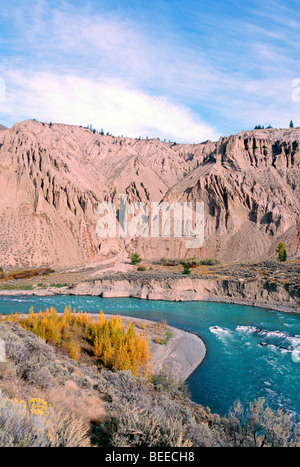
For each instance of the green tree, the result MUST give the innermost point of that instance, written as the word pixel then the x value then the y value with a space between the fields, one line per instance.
pixel 281 250
pixel 186 269
pixel 135 258
pixel 291 124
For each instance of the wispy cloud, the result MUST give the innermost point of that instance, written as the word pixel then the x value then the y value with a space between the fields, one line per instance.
pixel 101 71
pixel 109 106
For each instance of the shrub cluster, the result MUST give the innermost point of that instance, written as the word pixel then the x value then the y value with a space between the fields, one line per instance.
pixel 35 424
pixel 191 261
pixel 28 273
pixel 135 258
pixel 140 416
pixel 114 345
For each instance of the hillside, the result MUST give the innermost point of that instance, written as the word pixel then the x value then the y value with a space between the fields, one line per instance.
pixel 53 177
pixel 50 400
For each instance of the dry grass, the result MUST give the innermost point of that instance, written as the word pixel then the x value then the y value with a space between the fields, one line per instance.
pixel 67 430
pixel 85 404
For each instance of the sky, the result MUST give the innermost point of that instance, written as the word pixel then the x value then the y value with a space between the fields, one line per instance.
pixel 184 71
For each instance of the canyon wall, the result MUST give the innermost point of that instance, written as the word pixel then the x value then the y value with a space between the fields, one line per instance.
pixel 52 178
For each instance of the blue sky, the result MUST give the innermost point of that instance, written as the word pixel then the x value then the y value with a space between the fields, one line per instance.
pixel 186 71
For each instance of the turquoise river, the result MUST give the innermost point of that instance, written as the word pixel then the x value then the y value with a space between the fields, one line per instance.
pixel 251 352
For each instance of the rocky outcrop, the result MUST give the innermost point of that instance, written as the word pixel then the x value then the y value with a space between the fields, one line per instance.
pixel 52 178
pixel 251 291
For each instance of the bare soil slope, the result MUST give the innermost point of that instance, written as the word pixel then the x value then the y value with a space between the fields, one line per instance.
pixel 52 178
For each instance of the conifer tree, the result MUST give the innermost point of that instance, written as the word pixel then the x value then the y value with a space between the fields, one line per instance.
pixel 281 250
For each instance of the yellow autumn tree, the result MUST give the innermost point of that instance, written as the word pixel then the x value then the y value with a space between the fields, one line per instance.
pixel 101 319
pixel 74 350
pixel 98 346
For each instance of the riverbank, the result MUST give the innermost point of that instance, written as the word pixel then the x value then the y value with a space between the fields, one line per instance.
pixel 173 350
pixel 267 284
pixel 176 287
pixel 181 354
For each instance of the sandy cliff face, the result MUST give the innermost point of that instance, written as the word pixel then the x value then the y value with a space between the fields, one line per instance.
pixel 53 177
pixel 189 288
pixel 250 188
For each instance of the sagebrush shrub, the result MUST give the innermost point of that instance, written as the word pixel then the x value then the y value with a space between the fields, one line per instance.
pixel 35 424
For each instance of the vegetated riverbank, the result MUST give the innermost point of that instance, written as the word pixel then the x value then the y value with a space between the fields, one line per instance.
pixel 171 349
pixel 181 353
pixel 267 284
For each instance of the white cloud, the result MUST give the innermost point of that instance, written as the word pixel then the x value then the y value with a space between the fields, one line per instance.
pixel 99 70
pixel 111 106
